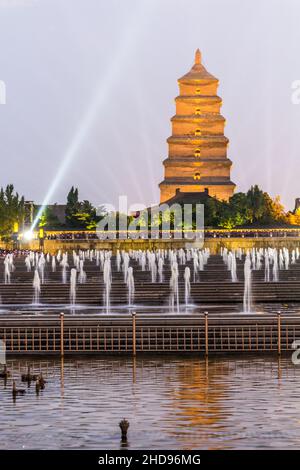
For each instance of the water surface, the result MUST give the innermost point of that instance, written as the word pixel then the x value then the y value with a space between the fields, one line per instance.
pixel 171 403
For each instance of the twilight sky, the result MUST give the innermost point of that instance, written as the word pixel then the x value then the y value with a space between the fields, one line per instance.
pixel 91 84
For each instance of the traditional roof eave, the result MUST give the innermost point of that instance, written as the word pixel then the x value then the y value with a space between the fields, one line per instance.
pixel 199 140
pixel 190 161
pixel 203 99
pixel 198 117
pixel 200 182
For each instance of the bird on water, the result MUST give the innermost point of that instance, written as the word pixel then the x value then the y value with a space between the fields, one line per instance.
pixel 17 391
pixel 28 377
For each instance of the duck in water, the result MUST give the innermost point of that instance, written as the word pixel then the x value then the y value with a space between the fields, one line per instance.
pixel 4 373
pixel 42 381
pixel 28 377
pixel 40 384
pixel 17 391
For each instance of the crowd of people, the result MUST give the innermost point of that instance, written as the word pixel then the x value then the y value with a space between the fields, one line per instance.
pixel 71 236
pixel 17 253
pixel 251 233
pixel 84 235
pixel 207 234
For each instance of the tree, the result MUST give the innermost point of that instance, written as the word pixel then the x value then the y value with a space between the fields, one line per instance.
pixel 48 219
pixel 212 210
pixel 72 207
pixel 85 215
pixel 294 218
pixel 239 204
pixel 276 210
pixel 256 204
pixel 12 211
pixel 82 214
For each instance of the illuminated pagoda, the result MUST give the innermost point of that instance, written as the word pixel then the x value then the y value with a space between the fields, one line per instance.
pixel 197 159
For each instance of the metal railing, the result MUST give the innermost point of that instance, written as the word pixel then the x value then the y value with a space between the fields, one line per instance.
pixel 137 335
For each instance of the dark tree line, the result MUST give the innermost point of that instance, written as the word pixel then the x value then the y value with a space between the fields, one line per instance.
pixel 253 208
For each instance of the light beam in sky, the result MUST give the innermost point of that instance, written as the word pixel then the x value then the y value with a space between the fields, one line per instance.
pixel 134 29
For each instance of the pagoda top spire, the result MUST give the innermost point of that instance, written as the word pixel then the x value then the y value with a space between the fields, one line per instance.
pixel 197 57
pixel 198 72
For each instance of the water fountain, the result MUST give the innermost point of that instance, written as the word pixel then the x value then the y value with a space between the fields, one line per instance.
pixel 201 261
pixel 37 287
pixel 267 266
pixel 247 285
pixel 153 268
pixel 143 261
pixel 160 269
pixel 6 271
pixel 181 256
pixel 286 257
pixel 130 286
pixel 281 259
pixel 97 258
pixel 231 265
pixel 64 264
pixel 41 267
pixel 107 279
pixel 32 258
pixel 82 273
pixel 174 296
pixel 253 258
pixel 28 263
pixel 73 280
pixel 125 266
pixel 174 266
pixel 195 265
pixel 259 255
pixel 11 262
pixel 187 285
pixel 275 266
pixel 118 261
pixel 224 254
pixel 233 268
pixel 76 261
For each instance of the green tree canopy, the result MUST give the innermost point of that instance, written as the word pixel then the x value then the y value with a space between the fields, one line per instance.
pixel 81 214
pixel 12 211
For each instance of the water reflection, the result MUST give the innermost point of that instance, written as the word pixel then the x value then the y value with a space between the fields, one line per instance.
pixel 198 402
pixel 183 403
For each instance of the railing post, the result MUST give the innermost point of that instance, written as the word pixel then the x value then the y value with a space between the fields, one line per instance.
pixel 206 332
pixel 133 333
pixel 279 331
pixel 62 334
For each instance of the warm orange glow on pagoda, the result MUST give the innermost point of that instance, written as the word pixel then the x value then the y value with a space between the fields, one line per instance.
pixel 197 148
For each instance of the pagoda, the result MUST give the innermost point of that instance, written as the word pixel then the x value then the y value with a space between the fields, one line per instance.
pixel 197 158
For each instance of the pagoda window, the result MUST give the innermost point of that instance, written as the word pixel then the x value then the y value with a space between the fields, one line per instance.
pixel 198 132
pixel 198 91
pixel 196 176
pixel 197 153
pixel 197 111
